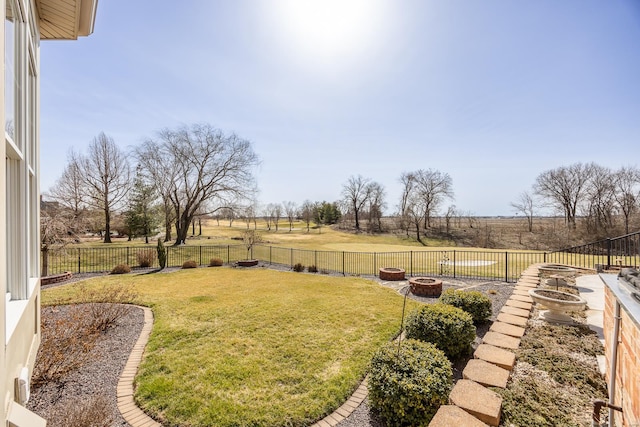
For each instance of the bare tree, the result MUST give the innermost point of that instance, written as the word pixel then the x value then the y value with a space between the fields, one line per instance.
pixel 627 192
pixel 290 210
pixel 277 214
pixel 268 214
pixel 451 212
pixel 106 175
pixel 564 188
pixel 207 166
pixel 55 231
pixel 525 206
pixel 355 193
pixel 307 211
pixel 600 200
pixel 433 188
pixel 376 205
pixel 69 190
pixel 408 182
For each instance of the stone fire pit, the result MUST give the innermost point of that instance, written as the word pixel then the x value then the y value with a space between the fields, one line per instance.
pixel 425 286
pixel 391 274
pixel 247 262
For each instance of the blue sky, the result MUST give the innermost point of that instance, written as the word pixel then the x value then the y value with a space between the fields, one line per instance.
pixel 491 92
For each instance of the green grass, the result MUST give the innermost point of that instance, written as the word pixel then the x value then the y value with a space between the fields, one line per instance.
pixel 253 347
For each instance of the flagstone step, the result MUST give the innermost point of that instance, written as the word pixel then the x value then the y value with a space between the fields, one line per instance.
pixel 511 319
pixel 501 340
pixel 477 400
pixel 515 311
pixel 519 304
pixel 498 356
pixel 485 373
pixel 523 298
pixel 452 416
pixel 507 329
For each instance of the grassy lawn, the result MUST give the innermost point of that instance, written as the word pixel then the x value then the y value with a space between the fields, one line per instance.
pixel 253 347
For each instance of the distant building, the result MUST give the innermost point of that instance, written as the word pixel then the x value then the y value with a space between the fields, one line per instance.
pixel 26 22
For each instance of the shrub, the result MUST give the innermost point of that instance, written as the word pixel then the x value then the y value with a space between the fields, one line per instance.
pixel 312 269
pixel 449 328
pixel 475 303
pixel 145 257
pixel 216 262
pixel 92 412
pixel 298 268
pixel 121 269
pixel 65 345
pixel 408 387
pixel 107 304
pixel 162 254
pixel 189 264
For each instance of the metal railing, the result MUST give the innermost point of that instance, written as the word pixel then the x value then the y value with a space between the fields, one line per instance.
pixel 490 265
pixel 613 252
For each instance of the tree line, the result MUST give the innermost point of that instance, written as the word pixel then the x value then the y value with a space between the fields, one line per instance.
pixel 182 175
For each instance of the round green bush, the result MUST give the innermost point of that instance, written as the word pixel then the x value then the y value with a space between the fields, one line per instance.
pixel 449 328
pixel 477 304
pixel 408 387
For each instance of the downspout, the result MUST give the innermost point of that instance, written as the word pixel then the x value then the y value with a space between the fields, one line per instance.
pixel 614 361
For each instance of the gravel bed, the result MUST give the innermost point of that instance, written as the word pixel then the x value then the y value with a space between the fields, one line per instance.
pixel 101 375
pixel 98 377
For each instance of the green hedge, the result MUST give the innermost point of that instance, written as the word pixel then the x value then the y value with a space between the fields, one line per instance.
pixel 449 328
pixel 407 387
pixel 477 304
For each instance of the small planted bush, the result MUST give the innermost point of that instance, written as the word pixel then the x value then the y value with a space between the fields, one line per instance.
pixel 312 269
pixel 189 264
pixel 475 303
pixel 216 262
pixel 408 387
pixel 121 269
pixel 298 268
pixel 449 328
pixel 145 257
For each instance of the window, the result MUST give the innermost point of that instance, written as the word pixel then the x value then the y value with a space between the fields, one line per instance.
pixel 21 158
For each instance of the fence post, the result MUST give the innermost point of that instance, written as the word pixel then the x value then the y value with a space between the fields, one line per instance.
pixel 375 262
pixel 544 257
pixel 291 258
pixel 270 247
pixel 506 266
pixel 78 260
pixel 168 264
pixel 200 254
pixel 608 253
pixel 127 262
pixel 343 264
pixel 411 263
pixel 454 263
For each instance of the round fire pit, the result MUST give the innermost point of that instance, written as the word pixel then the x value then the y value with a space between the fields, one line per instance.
pixel 425 286
pixel 558 303
pixel 391 274
pixel 247 262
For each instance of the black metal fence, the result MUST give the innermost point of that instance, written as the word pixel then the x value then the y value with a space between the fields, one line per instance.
pixel 614 252
pixel 489 265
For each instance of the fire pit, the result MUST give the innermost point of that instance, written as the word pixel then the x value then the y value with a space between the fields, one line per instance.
pixel 558 303
pixel 425 286
pixel 391 274
pixel 247 262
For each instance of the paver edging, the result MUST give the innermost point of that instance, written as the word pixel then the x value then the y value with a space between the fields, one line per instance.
pixel 124 392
